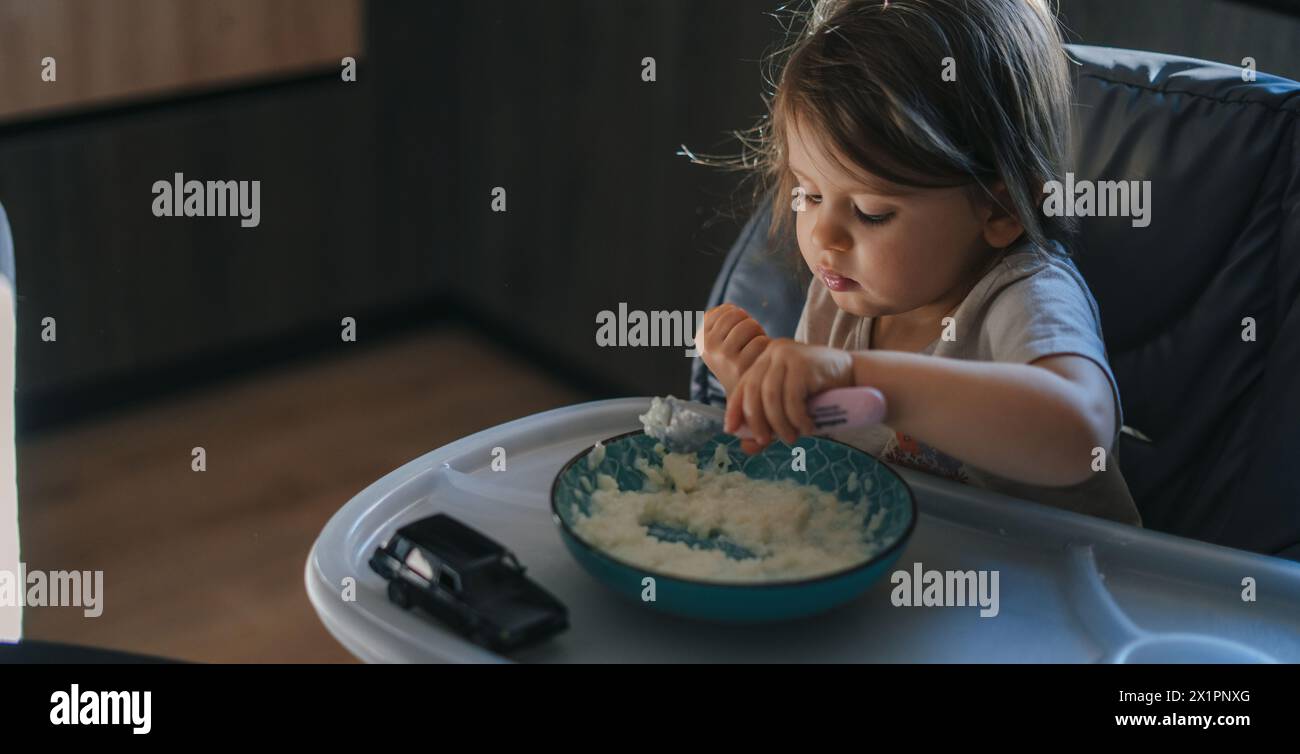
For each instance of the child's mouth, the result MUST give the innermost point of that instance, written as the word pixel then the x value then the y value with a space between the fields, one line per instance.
pixel 837 283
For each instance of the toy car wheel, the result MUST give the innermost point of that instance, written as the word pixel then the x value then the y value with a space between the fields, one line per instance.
pixel 399 595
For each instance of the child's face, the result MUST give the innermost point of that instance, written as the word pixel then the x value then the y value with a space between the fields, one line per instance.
pixel 915 247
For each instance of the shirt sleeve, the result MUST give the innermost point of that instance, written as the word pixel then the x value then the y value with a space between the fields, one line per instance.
pixel 1046 309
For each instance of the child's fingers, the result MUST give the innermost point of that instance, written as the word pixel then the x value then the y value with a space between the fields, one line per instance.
pixel 706 329
pixel 726 312
pixel 752 350
pixel 734 308
pixel 751 323
pixel 722 326
pixel 741 334
pixel 712 315
pixel 773 392
pixel 734 415
pixel 755 417
pixel 796 403
pixel 750 447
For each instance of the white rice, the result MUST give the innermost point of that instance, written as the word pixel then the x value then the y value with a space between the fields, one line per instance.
pixel 795 531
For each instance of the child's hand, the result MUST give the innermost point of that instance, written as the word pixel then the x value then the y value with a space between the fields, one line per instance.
pixel 772 395
pixel 730 341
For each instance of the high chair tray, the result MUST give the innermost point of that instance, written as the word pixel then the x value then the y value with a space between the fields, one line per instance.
pixel 1071 588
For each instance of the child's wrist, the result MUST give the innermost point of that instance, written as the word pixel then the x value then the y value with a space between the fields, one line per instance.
pixel 864 369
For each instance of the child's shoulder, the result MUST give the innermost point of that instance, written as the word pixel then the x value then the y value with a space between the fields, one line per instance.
pixel 1033 303
pixel 1028 259
pixel 1031 276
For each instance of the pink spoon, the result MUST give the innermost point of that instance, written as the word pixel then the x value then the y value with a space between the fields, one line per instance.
pixel 685 426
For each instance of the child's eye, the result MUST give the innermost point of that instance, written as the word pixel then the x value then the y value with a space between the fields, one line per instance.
pixel 872 219
pixel 864 217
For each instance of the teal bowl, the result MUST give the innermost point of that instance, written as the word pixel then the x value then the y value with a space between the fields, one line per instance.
pixel 829 466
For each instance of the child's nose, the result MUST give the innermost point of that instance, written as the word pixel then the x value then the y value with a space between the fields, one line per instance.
pixel 832 235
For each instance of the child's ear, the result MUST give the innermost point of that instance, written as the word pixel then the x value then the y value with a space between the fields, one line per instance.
pixel 1001 224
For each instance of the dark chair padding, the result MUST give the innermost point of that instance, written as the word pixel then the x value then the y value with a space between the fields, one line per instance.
pixel 1223 414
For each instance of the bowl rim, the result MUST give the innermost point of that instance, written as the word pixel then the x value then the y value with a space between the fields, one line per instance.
pixel 785 584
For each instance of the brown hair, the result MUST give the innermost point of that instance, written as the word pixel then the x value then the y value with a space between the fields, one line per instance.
pixel 867 74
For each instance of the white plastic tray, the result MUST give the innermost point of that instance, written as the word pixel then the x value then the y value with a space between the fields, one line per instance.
pixel 1072 588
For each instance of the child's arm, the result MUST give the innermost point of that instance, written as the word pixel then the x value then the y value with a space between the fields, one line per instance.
pixel 1036 423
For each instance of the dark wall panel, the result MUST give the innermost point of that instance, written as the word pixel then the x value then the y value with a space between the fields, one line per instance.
pixel 601 209
pixel 131 291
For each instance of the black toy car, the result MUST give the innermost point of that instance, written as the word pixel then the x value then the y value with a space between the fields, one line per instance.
pixel 469 582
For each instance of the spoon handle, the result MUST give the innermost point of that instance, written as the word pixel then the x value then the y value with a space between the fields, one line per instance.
pixel 840 408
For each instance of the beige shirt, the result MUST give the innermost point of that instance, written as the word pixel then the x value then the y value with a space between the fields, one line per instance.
pixel 1030 305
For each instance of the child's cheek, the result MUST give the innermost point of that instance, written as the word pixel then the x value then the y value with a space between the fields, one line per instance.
pixel 803 233
pixel 905 268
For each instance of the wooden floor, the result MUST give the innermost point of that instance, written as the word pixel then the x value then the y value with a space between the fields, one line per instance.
pixel 208 566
